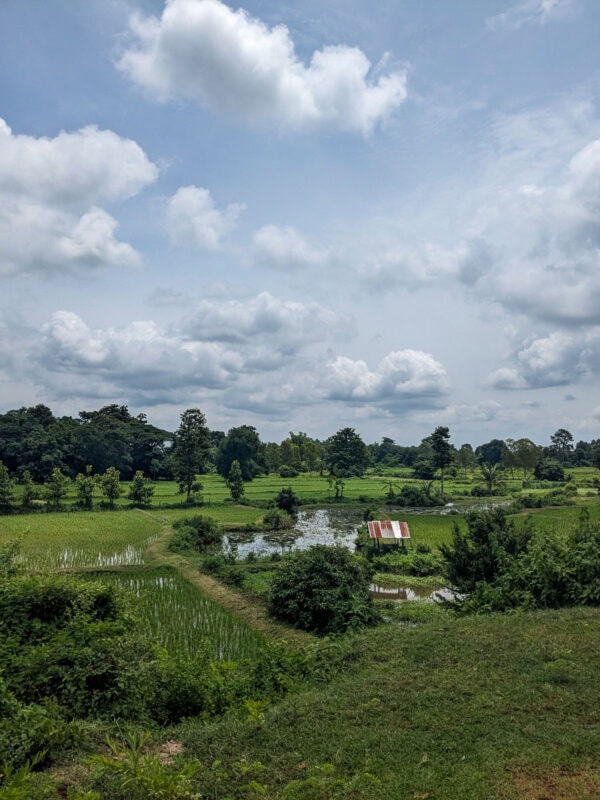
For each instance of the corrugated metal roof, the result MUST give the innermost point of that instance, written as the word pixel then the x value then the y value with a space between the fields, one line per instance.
pixel 388 529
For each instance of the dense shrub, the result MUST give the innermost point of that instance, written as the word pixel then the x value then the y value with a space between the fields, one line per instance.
pixel 548 469
pixel 277 520
pixel 27 731
pixel 415 497
pixel 324 590
pixel 497 566
pixel 556 497
pixel 286 471
pixel 199 533
pixel 413 563
pixel 287 500
pixel 72 642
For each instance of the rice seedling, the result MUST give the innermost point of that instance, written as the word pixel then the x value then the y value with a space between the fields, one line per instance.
pixel 180 618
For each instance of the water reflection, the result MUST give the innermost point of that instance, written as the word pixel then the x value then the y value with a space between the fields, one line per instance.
pixel 315 526
pixel 402 593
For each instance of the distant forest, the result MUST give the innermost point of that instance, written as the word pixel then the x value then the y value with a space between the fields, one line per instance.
pixel 33 439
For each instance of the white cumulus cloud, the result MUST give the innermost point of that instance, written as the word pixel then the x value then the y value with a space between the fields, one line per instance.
pixel 194 220
pixel 285 248
pixel 558 359
pixel 49 190
pixel 404 378
pixel 235 63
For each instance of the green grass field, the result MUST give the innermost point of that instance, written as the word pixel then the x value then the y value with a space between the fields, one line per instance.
pixel 486 708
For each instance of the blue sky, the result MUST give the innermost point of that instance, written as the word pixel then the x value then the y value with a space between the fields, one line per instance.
pixel 303 216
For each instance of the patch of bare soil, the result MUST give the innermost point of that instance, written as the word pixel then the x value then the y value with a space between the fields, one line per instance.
pixel 560 784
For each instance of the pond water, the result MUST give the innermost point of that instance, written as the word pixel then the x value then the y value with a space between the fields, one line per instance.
pixel 315 526
pixel 402 593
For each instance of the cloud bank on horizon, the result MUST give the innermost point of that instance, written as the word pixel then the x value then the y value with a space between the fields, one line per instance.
pixel 301 219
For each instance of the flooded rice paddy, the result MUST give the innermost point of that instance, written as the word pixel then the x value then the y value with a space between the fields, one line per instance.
pixel 180 618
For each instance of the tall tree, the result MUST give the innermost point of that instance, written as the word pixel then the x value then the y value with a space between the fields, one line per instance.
pixel 465 458
pixel 443 454
pixel 110 485
pixel 562 446
pixel 525 455
pixel 191 448
pixel 7 486
pixel 235 482
pixel 57 488
pixel 491 452
pixel 242 444
pixel 347 454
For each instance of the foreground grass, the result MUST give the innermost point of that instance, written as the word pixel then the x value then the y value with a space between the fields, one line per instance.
pixel 480 708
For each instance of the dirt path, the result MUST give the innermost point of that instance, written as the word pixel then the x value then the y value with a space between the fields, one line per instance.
pixel 254 614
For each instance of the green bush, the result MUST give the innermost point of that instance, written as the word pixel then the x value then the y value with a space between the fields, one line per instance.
pixel 497 566
pixel 72 642
pixel 286 471
pixel 199 533
pixel 32 733
pixel 287 500
pixel 277 520
pixel 414 563
pixel 415 497
pixel 324 590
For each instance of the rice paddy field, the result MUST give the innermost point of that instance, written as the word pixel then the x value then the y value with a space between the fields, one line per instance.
pixel 179 618
pixel 86 539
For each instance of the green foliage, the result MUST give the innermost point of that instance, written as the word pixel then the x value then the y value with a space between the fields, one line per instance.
pixel 556 497
pixel 199 533
pixel 57 488
pixel 277 520
pixel 140 491
pixel 346 453
pixel 9 554
pixel 235 481
pixel 424 469
pixel 415 497
pixel 324 783
pixel 549 469
pixel 7 487
pixel 131 773
pixel 242 444
pixel 190 452
pixel 30 492
pixel 110 485
pixel 412 563
pixel 69 641
pixel 324 590
pixel 498 566
pixel 285 471
pixel 85 483
pixel 32 733
pixel 443 452
pixel 287 500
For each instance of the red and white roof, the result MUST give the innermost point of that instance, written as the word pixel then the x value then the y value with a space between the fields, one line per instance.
pixel 388 529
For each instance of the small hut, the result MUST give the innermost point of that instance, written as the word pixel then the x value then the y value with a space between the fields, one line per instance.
pixel 387 531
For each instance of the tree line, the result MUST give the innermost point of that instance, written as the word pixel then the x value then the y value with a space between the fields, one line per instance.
pixel 34 442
